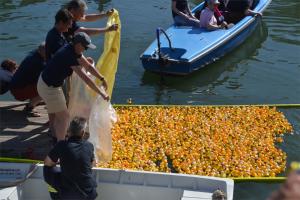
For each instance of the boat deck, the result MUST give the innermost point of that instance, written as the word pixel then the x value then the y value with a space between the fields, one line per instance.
pixel 21 135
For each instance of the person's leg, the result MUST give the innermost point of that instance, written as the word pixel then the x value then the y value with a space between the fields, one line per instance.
pixel 61 123
pixel 193 22
pixel 51 123
pixel 33 102
pixel 52 177
pixel 181 21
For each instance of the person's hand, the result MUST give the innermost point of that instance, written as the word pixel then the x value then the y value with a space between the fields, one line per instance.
pixel 224 24
pixel 90 60
pixel 288 190
pixel 230 25
pixel 105 97
pixel 109 12
pixel 113 27
pixel 104 84
pixel 259 14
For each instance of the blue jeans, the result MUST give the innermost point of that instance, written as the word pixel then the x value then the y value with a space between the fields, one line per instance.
pixel 182 21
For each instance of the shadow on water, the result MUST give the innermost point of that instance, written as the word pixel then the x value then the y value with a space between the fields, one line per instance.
pixel 209 76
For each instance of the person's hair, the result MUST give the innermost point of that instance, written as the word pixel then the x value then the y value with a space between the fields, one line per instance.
pixel 76 4
pixel 63 15
pixel 77 126
pixel 9 65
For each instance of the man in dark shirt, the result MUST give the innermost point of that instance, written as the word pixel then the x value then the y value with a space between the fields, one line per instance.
pixel 76 158
pixel 55 38
pixel 23 85
pixel 77 8
pixel 238 9
pixel 182 14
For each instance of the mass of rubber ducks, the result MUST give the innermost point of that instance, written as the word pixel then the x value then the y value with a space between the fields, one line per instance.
pixel 214 141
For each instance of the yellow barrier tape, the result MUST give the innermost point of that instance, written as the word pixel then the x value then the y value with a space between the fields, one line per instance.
pixel 51 189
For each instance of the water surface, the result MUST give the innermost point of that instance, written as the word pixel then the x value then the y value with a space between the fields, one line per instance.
pixel 264 69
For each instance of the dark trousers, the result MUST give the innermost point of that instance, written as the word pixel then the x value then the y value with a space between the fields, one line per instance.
pixel 59 190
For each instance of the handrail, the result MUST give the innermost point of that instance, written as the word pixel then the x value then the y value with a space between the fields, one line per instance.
pixel 158 31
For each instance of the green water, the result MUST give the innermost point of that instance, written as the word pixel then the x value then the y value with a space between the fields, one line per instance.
pixel 265 69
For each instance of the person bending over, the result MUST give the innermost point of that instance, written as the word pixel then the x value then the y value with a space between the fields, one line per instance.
pixel 55 38
pixel 182 14
pixel 7 70
pixel 77 8
pixel 68 59
pixel 74 179
pixel 23 85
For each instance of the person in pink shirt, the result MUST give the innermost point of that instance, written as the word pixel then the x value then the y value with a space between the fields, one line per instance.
pixel 208 19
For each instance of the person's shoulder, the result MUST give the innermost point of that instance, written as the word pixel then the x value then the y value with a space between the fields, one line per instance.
pixel 52 33
pixel 89 144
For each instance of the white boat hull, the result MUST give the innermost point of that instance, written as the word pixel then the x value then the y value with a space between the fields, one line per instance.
pixel 124 185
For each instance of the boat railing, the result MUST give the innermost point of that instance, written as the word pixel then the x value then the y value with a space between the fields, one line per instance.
pixel 158 31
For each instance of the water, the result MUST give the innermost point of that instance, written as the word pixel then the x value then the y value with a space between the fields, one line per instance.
pixel 265 69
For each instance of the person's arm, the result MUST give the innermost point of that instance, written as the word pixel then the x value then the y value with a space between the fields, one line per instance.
pixel 53 155
pixel 95 31
pixel 190 13
pixel 177 11
pixel 89 82
pixel 249 12
pixel 212 27
pixel 95 17
pixel 48 162
pixel 90 68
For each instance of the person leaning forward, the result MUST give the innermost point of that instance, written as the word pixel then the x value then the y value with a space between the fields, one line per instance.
pixel 76 157
pixel 77 8
pixel 61 66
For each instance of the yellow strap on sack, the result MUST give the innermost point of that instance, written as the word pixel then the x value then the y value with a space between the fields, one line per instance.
pixel 108 62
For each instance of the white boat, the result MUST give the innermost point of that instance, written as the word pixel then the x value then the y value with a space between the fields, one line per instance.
pixel 114 184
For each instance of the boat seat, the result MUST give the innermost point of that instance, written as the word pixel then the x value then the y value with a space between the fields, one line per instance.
pixel 194 195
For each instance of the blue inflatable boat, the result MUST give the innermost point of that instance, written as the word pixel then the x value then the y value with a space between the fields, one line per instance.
pixel 181 50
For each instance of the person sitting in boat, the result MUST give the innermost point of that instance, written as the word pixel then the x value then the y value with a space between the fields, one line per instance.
pixel 68 59
pixel 55 38
pixel 75 155
pixel 23 85
pixel 208 19
pixel 238 9
pixel 77 9
pixel 182 14
pixel 7 70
